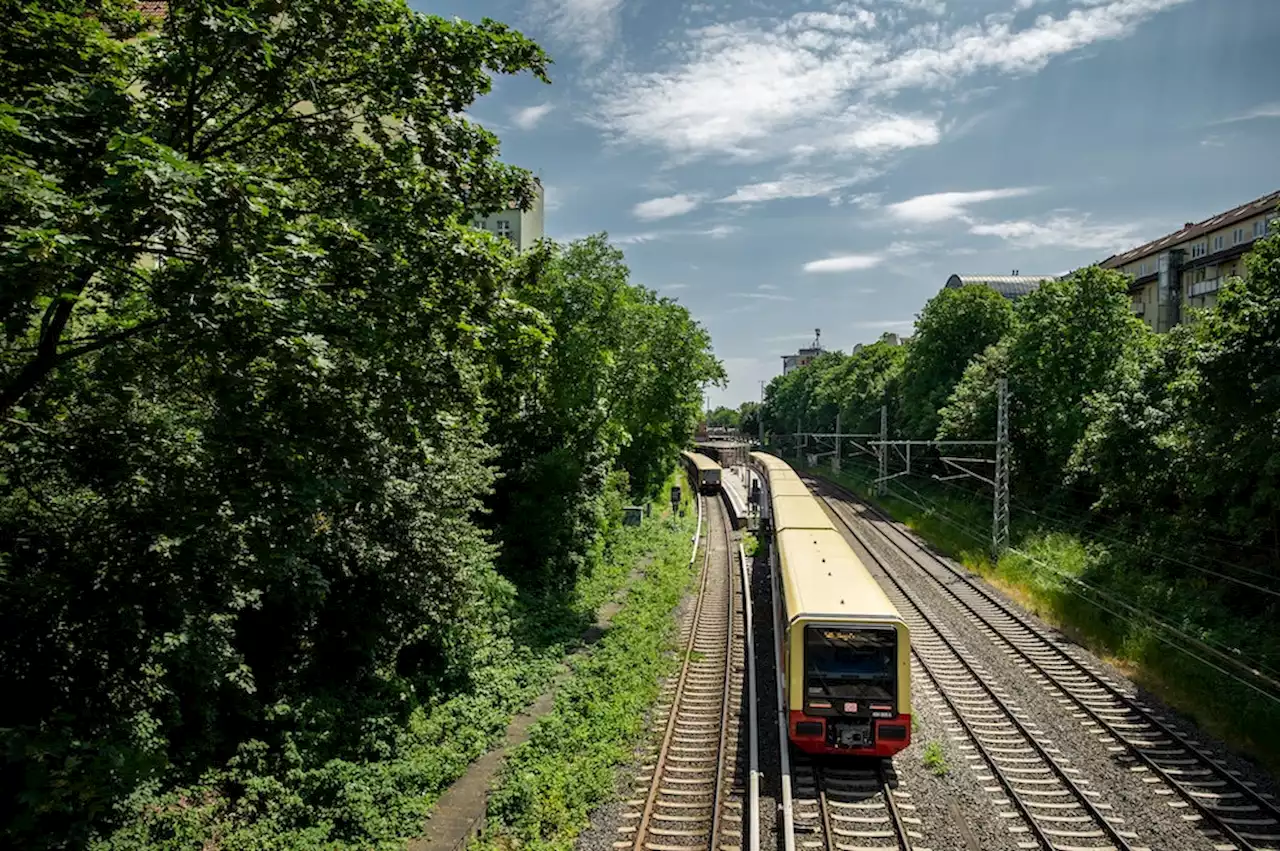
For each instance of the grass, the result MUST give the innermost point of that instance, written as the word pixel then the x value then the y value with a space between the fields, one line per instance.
pixel 750 544
pixel 935 760
pixel 1041 571
pixel 549 785
pixel 377 798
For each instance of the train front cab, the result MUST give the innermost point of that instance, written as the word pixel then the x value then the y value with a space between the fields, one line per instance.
pixel 846 651
pixel 830 713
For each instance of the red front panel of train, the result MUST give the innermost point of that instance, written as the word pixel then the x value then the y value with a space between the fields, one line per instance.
pixel 882 736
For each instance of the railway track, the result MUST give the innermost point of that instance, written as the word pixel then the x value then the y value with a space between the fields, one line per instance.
pixel 1043 801
pixel 689 794
pixel 1227 805
pixel 850 807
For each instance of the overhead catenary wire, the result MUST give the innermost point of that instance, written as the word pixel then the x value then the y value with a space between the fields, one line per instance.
pixel 1229 655
pixel 1225 654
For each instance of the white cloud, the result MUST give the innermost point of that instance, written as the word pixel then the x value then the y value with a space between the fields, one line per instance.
pixel 763 296
pixel 771 88
pixel 893 133
pixel 590 25
pixel 843 263
pixel 1266 110
pixel 528 118
pixel 662 208
pixel 1060 232
pixel 715 232
pixel 793 186
pixel 949 205
pixel 635 238
pixel 673 287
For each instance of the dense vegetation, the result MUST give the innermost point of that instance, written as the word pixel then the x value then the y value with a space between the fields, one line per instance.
pixel 302 479
pixel 1146 511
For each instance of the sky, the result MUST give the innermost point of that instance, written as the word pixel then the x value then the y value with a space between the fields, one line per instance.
pixel 783 166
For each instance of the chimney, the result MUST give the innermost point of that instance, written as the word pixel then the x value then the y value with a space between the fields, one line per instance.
pixel 1015 273
pixel 1188 225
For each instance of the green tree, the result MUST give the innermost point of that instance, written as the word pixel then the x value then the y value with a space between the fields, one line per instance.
pixel 795 400
pixel 723 417
pixel 1072 339
pixel 242 372
pixel 863 383
pixel 1187 432
pixel 749 418
pixel 955 326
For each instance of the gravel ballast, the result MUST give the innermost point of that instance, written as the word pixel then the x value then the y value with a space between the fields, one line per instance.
pixel 1159 814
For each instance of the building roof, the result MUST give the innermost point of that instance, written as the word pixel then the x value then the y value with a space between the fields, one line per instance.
pixel 153 8
pixel 1192 230
pixel 1009 286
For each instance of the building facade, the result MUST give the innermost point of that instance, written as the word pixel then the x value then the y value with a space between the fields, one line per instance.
pixel 803 357
pixel 522 227
pixel 1186 268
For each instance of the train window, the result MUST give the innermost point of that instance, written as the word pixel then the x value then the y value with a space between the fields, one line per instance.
pixel 850 666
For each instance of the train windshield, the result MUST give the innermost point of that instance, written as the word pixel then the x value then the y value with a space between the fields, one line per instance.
pixel 857 663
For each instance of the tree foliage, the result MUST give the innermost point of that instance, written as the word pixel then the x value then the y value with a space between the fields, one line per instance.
pixel 1188 432
pixel 1071 339
pixel 259 381
pixel 723 417
pixel 955 325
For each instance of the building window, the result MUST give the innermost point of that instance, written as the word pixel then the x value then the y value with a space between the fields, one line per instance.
pixel 1200 275
pixel 1218 243
pixel 502 228
pixel 1237 236
pixel 1259 229
pixel 1200 249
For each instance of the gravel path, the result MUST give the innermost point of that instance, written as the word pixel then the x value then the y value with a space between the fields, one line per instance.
pixel 1159 815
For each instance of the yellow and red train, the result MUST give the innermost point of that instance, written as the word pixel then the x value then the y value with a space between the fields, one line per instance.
pixel 703 470
pixel 845 650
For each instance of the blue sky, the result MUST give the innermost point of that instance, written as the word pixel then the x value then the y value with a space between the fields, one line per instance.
pixel 784 166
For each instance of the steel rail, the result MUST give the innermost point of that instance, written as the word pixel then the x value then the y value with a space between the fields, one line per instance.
pixel 1265 807
pixel 701 628
pixel 719 791
pixel 1063 776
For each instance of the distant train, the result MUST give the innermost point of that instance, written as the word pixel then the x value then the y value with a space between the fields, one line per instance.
pixel 846 652
pixel 704 471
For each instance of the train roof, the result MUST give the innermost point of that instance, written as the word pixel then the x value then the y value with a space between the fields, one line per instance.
pixel 700 461
pixel 770 462
pixel 823 577
pixel 799 512
pixel 786 484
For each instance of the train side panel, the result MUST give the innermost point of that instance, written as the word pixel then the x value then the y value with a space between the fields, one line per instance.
pixel 846 652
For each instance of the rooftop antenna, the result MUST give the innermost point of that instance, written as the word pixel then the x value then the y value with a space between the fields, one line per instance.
pixel 817 338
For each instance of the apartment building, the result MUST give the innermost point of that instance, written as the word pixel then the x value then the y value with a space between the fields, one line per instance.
pixel 1186 268
pixel 522 227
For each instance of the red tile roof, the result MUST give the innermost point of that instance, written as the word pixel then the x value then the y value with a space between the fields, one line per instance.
pixel 153 8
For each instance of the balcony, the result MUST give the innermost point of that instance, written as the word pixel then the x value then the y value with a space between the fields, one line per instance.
pixel 1210 285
